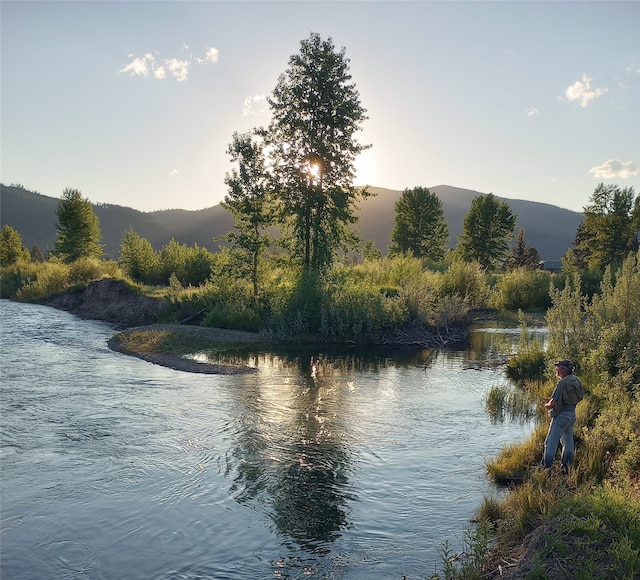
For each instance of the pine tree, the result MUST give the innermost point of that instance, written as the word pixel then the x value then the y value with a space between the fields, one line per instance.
pixel 523 255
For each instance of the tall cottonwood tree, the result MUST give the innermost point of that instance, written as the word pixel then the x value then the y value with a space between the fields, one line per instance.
pixel 249 200
pixel 420 227
pixel 316 113
pixel 609 230
pixel 487 230
pixel 78 228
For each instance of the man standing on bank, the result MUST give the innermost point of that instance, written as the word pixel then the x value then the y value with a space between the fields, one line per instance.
pixel 562 410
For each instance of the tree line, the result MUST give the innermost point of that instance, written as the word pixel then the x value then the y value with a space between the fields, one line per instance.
pixel 292 199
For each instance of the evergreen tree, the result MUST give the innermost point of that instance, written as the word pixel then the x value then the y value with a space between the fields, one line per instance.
pixel 78 228
pixel 316 113
pixel 420 227
pixel 249 201
pixel 486 231
pixel 11 249
pixel 523 255
pixel 36 254
pixel 577 257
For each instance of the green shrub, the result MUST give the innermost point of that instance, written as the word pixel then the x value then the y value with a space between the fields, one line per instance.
pixel 230 316
pixel 467 280
pixel 15 276
pixel 528 365
pixel 85 270
pixel 522 289
pixel 360 314
pixel 49 277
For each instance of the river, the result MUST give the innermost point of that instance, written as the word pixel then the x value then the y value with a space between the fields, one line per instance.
pixel 341 465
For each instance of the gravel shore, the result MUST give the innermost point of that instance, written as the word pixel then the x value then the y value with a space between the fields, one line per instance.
pixel 179 362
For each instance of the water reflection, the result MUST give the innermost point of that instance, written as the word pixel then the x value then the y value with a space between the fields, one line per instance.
pixel 290 457
pixel 293 456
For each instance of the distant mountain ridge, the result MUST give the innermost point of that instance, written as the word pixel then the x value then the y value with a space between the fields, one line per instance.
pixel 550 229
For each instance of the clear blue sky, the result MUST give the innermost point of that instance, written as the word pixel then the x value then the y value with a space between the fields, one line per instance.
pixel 134 103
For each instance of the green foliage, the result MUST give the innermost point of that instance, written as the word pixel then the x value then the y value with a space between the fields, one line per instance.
pixel 36 253
pixel 360 312
pixel 249 201
pixel 37 281
pixel 565 320
pixel 591 519
pixel 78 228
pixel 468 280
pixel 138 259
pixel 85 270
pixel 469 563
pixel 231 304
pixel 11 249
pixel 524 289
pixel 316 113
pixel 487 229
pixel 529 364
pixel 370 252
pixel 192 265
pixel 522 255
pixel 32 281
pixel 609 230
pixel 420 227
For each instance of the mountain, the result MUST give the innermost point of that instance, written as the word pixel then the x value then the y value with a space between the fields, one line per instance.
pixel 549 229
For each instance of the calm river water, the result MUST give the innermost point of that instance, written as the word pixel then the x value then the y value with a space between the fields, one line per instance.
pixel 320 465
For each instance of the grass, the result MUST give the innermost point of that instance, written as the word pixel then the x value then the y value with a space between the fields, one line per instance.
pixel 185 340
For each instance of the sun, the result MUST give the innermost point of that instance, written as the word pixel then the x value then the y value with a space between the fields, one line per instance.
pixel 367 172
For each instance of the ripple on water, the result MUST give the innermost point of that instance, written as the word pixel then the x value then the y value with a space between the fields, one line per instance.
pixel 116 468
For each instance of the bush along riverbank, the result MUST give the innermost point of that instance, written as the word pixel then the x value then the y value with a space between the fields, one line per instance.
pixel 585 524
pixel 393 302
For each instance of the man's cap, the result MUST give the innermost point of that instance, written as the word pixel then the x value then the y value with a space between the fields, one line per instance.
pixel 565 362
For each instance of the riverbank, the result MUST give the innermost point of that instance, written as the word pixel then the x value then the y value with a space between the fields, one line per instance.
pixel 168 345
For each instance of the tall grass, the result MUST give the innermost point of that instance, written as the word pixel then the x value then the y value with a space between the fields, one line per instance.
pixel 591 518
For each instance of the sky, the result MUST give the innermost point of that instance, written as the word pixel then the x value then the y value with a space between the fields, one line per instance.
pixel 134 103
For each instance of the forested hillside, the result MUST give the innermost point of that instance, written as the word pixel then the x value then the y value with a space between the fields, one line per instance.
pixel 550 229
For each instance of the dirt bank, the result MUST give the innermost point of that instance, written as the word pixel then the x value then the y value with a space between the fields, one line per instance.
pixel 109 300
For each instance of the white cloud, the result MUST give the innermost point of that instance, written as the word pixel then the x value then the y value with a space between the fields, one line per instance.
pixel 615 168
pixel 254 106
pixel 581 91
pixel 211 55
pixel 174 172
pixel 139 66
pixel 633 69
pixel 532 112
pixel 179 68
